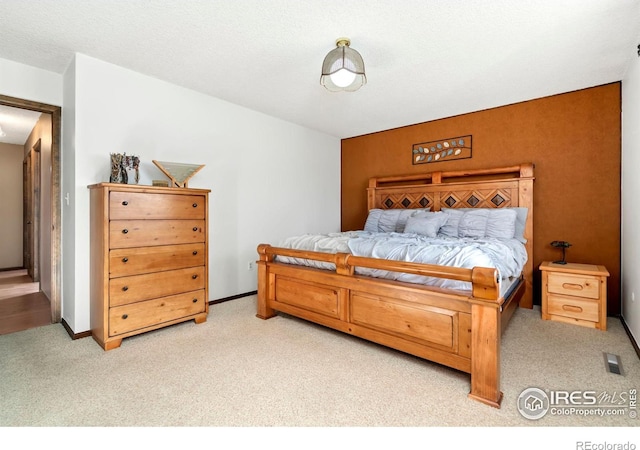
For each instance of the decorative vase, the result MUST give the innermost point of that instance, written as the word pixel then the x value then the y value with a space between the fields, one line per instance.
pixel 120 165
pixel 116 168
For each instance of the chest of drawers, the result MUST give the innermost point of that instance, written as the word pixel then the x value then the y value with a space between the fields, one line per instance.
pixel 575 293
pixel 149 259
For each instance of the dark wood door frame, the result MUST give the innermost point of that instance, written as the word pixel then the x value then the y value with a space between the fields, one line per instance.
pixel 31 223
pixel 56 197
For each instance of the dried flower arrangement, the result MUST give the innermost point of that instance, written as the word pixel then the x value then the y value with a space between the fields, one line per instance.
pixel 120 163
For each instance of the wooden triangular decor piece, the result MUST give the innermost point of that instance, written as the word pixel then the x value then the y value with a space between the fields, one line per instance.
pixel 178 173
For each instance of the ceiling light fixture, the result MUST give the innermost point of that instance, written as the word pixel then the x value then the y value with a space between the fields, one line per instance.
pixel 343 68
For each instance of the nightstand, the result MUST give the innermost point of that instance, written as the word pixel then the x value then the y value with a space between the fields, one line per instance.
pixel 575 293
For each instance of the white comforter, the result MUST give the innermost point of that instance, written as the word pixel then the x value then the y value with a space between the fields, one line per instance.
pixel 507 255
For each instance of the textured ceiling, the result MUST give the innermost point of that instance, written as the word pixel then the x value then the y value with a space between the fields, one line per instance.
pixel 424 59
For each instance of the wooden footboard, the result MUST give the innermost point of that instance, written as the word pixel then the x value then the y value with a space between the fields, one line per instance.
pixel 458 329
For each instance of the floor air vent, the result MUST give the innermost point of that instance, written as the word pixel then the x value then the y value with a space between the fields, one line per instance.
pixel 612 363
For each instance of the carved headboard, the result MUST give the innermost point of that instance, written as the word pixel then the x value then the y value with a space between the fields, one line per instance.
pixel 479 188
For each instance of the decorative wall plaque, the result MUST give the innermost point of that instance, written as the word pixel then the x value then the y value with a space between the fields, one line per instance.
pixel 441 150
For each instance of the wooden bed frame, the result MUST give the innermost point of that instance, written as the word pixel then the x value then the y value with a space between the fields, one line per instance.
pixel 459 329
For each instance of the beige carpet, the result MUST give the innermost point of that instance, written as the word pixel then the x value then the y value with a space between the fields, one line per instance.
pixel 236 370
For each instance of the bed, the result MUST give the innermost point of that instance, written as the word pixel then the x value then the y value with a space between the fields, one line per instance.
pixel 457 325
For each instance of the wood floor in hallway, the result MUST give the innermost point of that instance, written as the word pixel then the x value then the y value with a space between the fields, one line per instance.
pixel 22 305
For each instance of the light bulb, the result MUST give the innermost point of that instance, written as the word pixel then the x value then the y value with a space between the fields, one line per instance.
pixel 343 77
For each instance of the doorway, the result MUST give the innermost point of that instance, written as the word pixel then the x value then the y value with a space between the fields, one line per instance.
pixel 32 207
pixel 31 212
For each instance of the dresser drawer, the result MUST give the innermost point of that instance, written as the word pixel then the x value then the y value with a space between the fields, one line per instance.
pixel 136 316
pixel 140 233
pixel 125 290
pixel 136 261
pixel 137 205
pixel 574 285
pixel 575 308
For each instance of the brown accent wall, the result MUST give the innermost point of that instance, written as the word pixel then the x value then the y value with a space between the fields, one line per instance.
pixel 574 140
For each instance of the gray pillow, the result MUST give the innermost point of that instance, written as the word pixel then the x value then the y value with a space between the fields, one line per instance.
pixel 473 223
pixel 372 220
pixel 450 227
pixel 501 223
pixel 521 220
pixel 426 224
pixel 389 220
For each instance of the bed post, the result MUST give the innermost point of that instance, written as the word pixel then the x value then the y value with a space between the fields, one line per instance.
pixel 371 193
pixel 525 199
pixel 485 352
pixel 264 283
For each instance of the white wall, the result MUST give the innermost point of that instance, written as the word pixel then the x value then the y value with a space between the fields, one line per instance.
pixel 30 83
pixel 11 157
pixel 630 194
pixel 68 173
pixel 268 178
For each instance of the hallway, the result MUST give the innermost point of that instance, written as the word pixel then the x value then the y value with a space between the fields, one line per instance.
pixel 22 305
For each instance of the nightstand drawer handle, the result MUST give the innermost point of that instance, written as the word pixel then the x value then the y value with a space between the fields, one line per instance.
pixel 125 288
pixel 573 286
pixel 195 205
pixel 572 308
pixel 194 276
pixel 125 316
pixel 195 252
pixel 125 231
pixel 125 259
pixel 125 203
pixel 195 228
pixel 195 300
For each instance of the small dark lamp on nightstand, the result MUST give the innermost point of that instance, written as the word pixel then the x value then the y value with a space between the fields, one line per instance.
pixel 563 245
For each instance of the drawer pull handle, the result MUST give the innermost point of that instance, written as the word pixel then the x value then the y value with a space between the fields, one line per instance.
pixel 195 205
pixel 125 231
pixel 195 252
pixel 125 316
pixel 572 286
pixel 125 259
pixel 125 203
pixel 194 276
pixel 195 300
pixel 125 288
pixel 195 228
pixel 572 308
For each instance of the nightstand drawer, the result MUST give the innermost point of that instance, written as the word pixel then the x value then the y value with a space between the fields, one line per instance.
pixel 574 285
pixel 573 307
